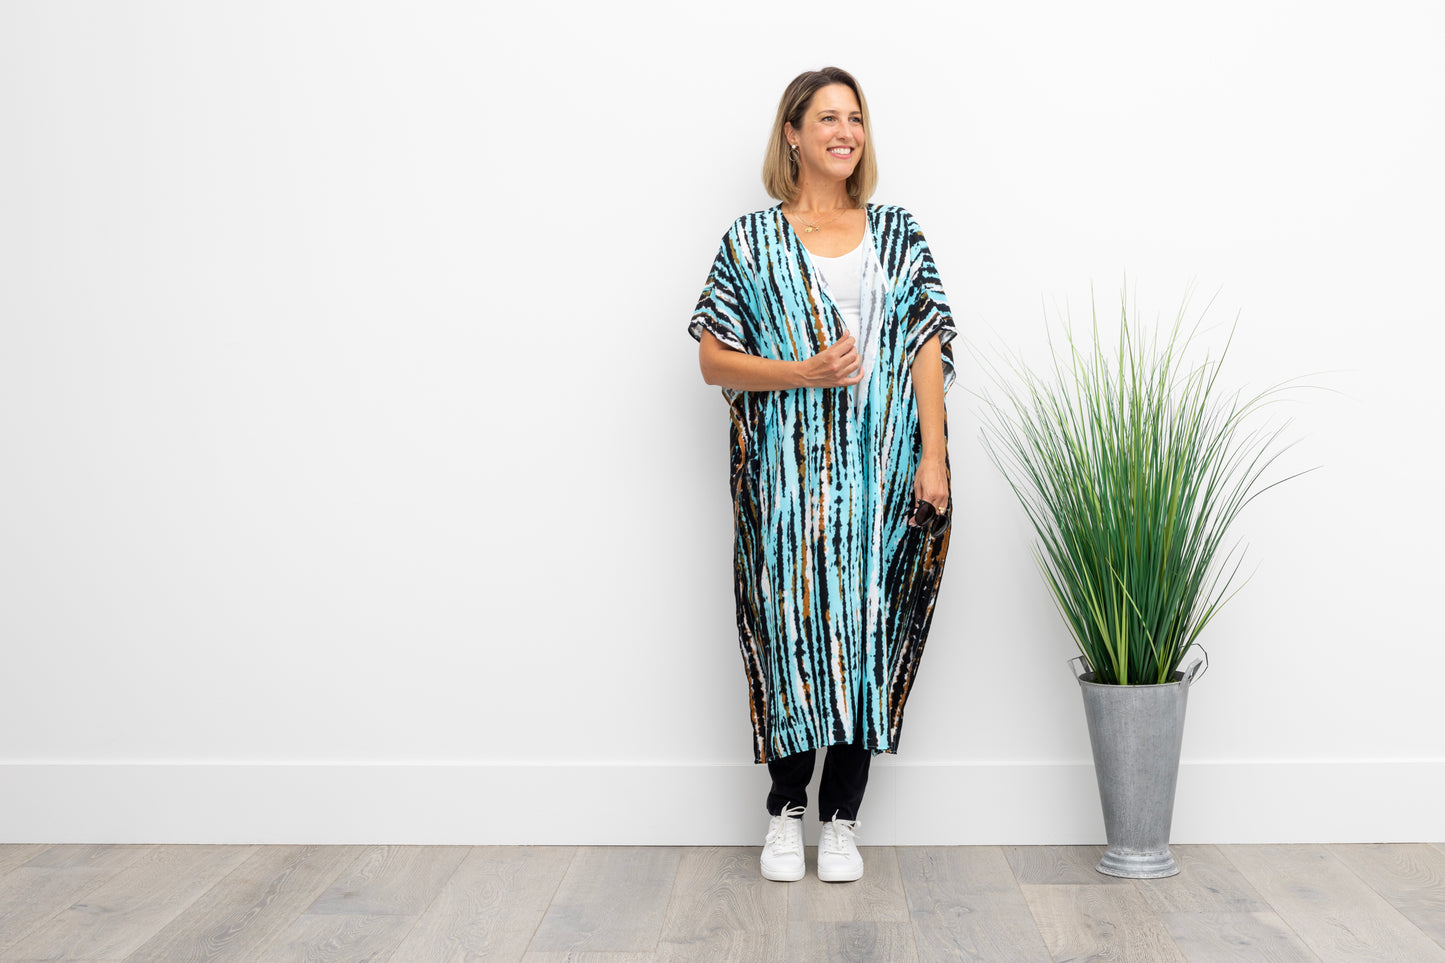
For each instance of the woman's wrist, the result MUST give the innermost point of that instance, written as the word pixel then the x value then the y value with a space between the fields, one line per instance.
pixel 803 372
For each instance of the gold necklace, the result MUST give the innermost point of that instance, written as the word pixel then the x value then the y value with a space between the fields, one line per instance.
pixel 810 228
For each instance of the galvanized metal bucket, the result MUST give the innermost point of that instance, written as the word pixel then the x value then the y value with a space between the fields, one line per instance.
pixel 1136 732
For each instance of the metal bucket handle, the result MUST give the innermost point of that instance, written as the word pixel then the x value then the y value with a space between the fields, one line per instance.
pixel 1197 668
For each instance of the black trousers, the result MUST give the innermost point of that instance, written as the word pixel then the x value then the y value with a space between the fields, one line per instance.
pixel 845 776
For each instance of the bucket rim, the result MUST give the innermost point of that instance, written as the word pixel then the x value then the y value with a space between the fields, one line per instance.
pixel 1087 678
pixel 1186 676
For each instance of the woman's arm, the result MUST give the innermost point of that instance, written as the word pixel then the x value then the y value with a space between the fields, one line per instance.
pixel 930 482
pixel 836 366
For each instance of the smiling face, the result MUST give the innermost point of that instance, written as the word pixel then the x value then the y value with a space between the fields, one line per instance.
pixel 829 135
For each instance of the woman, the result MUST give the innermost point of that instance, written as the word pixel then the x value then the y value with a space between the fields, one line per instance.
pixel 824 323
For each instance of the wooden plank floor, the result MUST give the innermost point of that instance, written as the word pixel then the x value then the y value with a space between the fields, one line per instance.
pixel 620 904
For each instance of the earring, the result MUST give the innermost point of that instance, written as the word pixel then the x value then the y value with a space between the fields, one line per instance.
pixel 795 147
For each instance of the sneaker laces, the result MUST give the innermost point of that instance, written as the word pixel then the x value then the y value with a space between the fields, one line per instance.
pixel 785 831
pixel 838 836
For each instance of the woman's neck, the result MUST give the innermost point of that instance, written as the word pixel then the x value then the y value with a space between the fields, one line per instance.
pixel 821 198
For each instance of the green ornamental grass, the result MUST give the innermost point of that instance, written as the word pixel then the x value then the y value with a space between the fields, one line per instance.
pixel 1132 465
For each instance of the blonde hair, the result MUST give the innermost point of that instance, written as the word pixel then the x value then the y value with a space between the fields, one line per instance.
pixel 780 163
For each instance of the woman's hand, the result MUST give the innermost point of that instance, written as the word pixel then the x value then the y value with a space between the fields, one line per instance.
pixel 836 366
pixel 930 484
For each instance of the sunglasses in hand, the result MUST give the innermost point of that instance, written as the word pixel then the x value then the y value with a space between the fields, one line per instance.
pixel 929 518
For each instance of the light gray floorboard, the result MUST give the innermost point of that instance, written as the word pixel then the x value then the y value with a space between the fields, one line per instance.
pixel 728 946
pixel 1047 865
pixel 588 957
pixel 1213 913
pixel 391 881
pixel 877 897
pixel 244 912
pixel 722 888
pixel 1207 883
pixel 723 909
pixel 338 938
pixel 490 907
pixel 1410 877
pixel 629 904
pixel 124 911
pixel 966 905
pixel 89 857
pixel 1336 914
pixel 613 899
pixel 30 895
pixel 1232 937
pixel 1100 922
pixel 14 855
pixel 865 942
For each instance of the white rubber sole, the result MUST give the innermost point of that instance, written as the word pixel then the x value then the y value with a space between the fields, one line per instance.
pixel 840 875
pixel 788 876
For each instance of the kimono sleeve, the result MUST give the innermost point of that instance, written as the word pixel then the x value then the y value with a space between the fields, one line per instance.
pixel 722 307
pixel 928 311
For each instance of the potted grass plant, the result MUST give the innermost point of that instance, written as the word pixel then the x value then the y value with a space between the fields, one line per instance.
pixel 1133 463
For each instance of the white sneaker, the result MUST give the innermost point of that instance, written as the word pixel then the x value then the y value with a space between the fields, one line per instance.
pixel 783 849
pixel 838 857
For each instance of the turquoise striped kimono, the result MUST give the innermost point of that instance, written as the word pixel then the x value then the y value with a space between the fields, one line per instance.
pixel 834 590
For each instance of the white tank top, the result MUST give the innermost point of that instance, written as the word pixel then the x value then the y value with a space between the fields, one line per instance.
pixel 844 278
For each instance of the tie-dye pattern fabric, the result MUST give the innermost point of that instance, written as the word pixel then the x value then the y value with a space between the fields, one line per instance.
pixel 834 591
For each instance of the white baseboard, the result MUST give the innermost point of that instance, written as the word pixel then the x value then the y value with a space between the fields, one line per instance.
pixel 907 804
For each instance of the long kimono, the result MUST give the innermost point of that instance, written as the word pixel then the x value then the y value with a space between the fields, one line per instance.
pixel 834 590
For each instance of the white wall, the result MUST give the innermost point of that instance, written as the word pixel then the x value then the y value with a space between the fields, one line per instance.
pixel 357 481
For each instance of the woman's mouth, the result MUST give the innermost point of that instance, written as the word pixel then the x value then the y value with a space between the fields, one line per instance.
pixel 841 151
